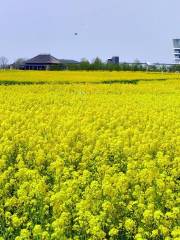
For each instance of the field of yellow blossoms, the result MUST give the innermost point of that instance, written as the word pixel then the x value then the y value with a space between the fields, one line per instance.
pixel 85 156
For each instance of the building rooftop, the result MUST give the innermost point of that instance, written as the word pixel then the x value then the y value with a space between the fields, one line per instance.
pixel 49 59
pixel 43 59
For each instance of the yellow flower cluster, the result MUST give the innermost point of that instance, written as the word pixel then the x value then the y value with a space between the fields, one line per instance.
pixel 14 76
pixel 90 161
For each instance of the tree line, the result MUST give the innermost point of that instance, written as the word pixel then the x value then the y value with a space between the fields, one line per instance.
pixel 97 64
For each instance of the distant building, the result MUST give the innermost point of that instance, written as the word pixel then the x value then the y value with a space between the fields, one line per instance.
pixel 176 52
pixel 41 62
pixel 113 60
pixel 109 60
pixel 44 62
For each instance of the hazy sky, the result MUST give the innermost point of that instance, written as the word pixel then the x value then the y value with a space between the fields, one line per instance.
pixel 132 29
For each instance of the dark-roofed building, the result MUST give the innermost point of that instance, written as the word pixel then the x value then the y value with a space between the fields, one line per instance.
pixel 41 62
pixel 67 61
pixel 45 62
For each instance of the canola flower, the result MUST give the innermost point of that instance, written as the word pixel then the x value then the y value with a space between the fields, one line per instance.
pixel 90 161
pixel 68 77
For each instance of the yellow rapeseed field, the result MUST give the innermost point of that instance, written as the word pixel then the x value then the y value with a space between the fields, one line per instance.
pixel 79 76
pixel 89 161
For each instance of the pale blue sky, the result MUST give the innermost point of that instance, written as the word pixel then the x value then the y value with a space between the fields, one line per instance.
pixel 132 29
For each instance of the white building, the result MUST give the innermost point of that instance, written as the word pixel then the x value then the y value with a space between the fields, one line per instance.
pixel 176 52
